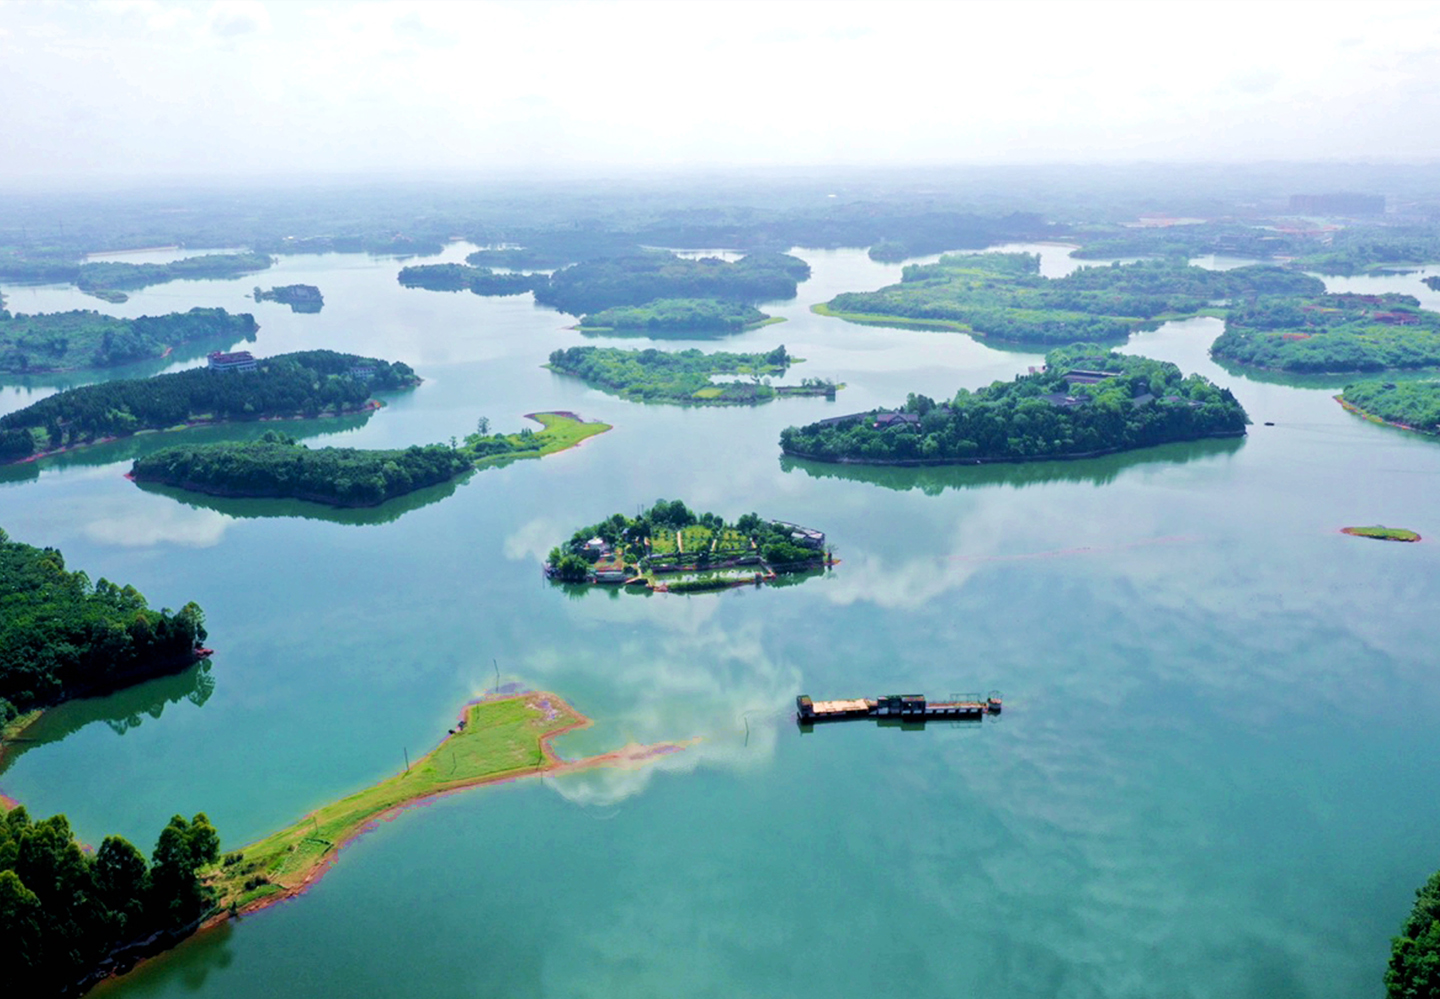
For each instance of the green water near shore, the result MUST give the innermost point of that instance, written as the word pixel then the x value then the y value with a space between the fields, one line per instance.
pixel 1212 777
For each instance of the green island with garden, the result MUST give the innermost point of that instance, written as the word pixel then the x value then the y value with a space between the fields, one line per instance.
pixel 62 636
pixel 1330 333
pixel 677 315
pixel 83 339
pixel 1086 402
pixel 276 466
pixel 300 297
pixel 684 376
pixel 1407 405
pixel 305 384
pixel 1004 297
pixel 670 548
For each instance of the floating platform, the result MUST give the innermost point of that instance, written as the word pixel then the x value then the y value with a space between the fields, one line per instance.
pixel 904 707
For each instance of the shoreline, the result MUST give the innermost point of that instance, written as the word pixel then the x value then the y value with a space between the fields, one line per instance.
pixel 1073 456
pixel 1369 417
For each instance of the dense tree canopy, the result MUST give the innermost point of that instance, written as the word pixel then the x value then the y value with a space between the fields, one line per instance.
pixel 64 912
pixel 460 277
pixel 308 383
pixel 645 277
pixel 683 376
pixel 300 297
pixel 1064 410
pixel 675 315
pixel 62 637
pixel 1414 970
pixel 114 276
pixel 68 341
pixel 1330 333
pixel 1412 404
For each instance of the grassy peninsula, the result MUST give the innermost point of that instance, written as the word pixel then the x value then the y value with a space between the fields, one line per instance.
pixel 300 297
pixel 677 315
pixel 1331 333
pixel 1087 401
pixel 684 377
pixel 1407 405
pixel 62 636
pixel 308 383
pixel 278 467
pixel 83 339
pixel 671 548
pixel 1003 296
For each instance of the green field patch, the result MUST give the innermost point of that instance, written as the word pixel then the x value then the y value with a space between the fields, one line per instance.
pixel 1381 533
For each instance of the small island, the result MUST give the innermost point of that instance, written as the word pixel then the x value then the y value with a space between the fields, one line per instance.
pixel 63 637
pixel 462 277
pixel 1330 333
pixel 1086 402
pixel 1432 282
pixel 276 466
pixel 83 339
pixel 643 279
pixel 669 548
pixel 1002 296
pixel 231 388
pixel 300 297
pixel 1381 533
pixel 1413 406
pixel 676 316
pixel 685 377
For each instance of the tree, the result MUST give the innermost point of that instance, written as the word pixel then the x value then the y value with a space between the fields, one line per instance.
pixel 482 426
pixel 1414 971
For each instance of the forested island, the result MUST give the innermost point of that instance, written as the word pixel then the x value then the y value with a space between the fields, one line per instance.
pixel 62 636
pixel 1002 295
pixel 1330 333
pixel 677 315
pixel 300 297
pixel 671 548
pixel 276 466
pixel 311 383
pixel 82 338
pixel 1086 402
pixel 462 277
pixel 641 278
pixel 685 376
pixel 70 918
pixel 111 279
pixel 1408 405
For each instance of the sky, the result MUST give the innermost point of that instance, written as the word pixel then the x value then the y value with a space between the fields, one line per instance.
pixel 144 88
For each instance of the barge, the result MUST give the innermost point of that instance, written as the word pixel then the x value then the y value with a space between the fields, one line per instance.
pixel 902 707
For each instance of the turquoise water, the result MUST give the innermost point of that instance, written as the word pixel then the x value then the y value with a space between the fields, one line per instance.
pixel 1212 777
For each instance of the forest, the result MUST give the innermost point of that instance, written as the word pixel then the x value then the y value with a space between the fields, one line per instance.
pixel 300 297
pixel 278 466
pixel 1002 295
pixel 1086 401
pixel 644 277
pixel 69 917
pixel 1414 968
pixel 62 637
pixel 115 276
pixel 1411 404
pixel 306 383
pixel 460 277
pixel 83 338
pixel 684 376
pixel 675 315
pixel 669 536
pixel 1330 333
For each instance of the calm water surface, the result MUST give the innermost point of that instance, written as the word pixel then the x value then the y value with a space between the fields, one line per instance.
pixel 1213 776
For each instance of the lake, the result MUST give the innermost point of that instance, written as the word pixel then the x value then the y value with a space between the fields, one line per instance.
pixel 1212 777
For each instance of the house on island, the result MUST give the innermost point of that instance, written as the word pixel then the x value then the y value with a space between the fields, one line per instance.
pixel 805 536
pixel 241 360
pixel 1083 376
pixel 610 574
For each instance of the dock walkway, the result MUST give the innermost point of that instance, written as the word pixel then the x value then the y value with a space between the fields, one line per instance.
pixel 906 707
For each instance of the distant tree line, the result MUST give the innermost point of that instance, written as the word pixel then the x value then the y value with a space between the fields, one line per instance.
pixel 461 277
pixel 1061 411
pixel 68 917
pixel 62 637
pixel 117 276
pixel 68 341
pixel 304 383
pixel 646 277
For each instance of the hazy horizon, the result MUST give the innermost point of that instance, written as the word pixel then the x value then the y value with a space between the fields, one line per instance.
pixel 122 90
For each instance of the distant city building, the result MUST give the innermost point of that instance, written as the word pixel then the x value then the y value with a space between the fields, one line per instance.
pixel 241 360
pixel 1341 203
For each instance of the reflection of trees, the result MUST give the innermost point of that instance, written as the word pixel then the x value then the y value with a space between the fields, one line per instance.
pixel 122 710
pixel 934 480
pixel 246 507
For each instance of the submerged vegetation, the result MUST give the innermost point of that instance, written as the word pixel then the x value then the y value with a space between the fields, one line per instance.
pixel 1087 401
pixel 684 376
pixel 1002 295
pixel 62 636
pixel 307 383
pixel 670 547
pixel 80 339
pixel 1411 405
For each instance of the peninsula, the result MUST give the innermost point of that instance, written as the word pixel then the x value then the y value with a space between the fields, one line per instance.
pixel 685 377
pixel 276 466
pixel 1330 333
pixel 231 388
pixel 670 548
pixel 1086 402
pixel 109 280
pixel 83 339
pixel 300 297
pixel 1407 405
